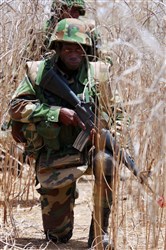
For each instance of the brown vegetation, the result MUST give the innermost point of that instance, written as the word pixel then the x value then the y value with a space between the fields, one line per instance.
pixel 133 35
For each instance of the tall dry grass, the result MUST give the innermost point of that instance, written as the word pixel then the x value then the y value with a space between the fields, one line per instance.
pixel 133 34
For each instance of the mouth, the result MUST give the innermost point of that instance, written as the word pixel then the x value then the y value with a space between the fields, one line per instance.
pixel 74 61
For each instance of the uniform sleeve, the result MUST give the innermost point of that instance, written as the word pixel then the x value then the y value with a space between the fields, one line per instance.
pixel 26 107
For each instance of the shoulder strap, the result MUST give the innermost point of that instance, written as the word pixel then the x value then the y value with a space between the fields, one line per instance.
pixel 35 71
pixel 100 71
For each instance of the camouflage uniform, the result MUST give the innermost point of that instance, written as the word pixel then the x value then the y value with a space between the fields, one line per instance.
pixel 56 8
pixel 58 164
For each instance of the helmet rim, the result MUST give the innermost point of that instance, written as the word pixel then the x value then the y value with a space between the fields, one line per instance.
pixel 71 30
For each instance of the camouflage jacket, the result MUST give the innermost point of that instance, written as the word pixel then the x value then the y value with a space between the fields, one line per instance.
pixel 38 110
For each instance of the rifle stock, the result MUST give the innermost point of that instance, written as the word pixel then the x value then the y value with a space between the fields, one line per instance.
pixel 58 86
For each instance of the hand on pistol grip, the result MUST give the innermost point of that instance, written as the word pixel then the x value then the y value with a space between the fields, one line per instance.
pixel 69 117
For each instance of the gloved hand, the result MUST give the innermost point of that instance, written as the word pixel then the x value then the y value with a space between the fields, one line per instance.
pixel 69 117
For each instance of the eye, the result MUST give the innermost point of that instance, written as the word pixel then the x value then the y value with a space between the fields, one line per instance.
pixel 79 50
pixel 66 50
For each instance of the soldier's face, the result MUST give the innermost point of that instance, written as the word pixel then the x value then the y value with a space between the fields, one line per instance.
pixel 71 55
pixel 72 12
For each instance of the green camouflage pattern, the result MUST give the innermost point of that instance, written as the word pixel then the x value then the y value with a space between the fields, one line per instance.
pixel 58 165
pixel 58 203
pixel 80 4
pixel 57 211
pixel 51 178
pixel 94 51
pixel 40 120
pixel 57 8
pixel 71 30
pixel 34 142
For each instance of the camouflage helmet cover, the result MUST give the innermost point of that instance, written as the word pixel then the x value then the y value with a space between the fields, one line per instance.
pixel 71 30
pixel 80 4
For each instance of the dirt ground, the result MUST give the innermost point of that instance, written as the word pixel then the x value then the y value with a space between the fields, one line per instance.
pixel 28 222
pixel 133 234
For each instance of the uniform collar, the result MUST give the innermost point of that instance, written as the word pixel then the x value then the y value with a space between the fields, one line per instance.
pixel 80 75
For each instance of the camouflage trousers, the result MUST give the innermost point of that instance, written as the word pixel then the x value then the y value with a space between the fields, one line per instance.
pixel 57 211
pixel 57 204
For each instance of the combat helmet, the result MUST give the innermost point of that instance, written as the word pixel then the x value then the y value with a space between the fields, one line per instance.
pixel 80 4
pixel 71 30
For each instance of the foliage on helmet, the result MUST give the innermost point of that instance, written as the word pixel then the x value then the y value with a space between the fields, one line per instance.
pixel 80 4
pixel 71 30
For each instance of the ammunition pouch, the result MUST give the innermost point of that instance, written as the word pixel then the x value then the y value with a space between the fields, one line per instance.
pixel 49 132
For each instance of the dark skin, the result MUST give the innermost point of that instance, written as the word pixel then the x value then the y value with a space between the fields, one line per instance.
pixel 71 55
pixel 72 12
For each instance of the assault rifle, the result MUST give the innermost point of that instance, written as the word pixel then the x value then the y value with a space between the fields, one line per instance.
pixel 57 85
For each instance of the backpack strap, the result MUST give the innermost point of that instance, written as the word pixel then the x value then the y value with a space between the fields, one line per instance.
pixel 100 71
pixel 35 71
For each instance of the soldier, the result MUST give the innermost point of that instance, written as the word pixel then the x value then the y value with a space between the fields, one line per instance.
pixel 38 41
pixel 71 9
pixel 60 10
pixel 50 127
